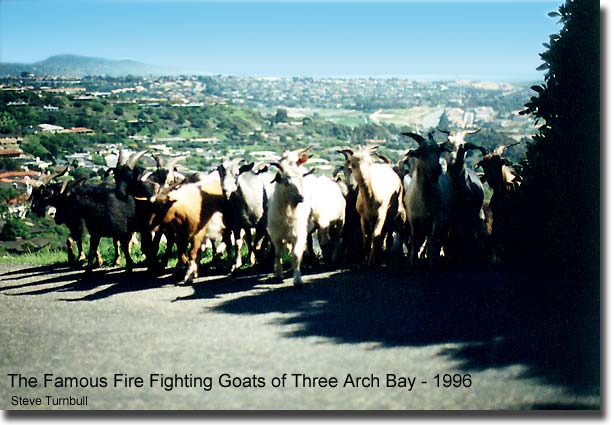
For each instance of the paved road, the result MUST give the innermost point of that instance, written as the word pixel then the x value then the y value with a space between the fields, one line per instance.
pixel 372 325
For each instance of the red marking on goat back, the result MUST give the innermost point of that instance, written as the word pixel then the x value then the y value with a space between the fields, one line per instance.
pixel 303 159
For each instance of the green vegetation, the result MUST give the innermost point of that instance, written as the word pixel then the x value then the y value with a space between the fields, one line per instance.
pixel 562 171
pixel 14 229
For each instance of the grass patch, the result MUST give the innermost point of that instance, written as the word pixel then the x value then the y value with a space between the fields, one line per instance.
pixel 44 257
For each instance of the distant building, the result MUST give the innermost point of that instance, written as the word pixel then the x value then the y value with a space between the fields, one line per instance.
pixel 10 153
pixel 64 90
pixel 81 130
pixel 10 141
pixel 50 128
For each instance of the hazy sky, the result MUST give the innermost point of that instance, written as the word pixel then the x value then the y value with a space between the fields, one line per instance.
pixel 479 39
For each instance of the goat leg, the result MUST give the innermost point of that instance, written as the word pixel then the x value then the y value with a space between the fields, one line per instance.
pixel 94 242
pixel 192 272
pixel 278 271
pixel 297 256
pixel 116 247
pixel 69 246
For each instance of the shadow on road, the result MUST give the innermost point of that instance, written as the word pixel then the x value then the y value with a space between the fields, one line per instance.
pixel 498 319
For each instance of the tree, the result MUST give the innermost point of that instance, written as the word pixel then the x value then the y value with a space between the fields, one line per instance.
pixel 8 124
pixel 562 171
pixel 281 116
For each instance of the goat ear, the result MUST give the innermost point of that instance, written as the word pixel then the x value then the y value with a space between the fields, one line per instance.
pixel 159 162
pixel 412 153
pixel 445 147
pixel 482 178
pixel 260 168
pixel 277 178
pixel 246 167
pixel 337 170
pixel 109 171
pixel 479 164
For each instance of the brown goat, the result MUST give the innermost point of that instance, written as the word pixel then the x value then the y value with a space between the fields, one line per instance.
pixel 186 210
pixel 504 202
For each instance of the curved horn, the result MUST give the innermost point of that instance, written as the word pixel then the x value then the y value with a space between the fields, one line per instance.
pixel 46 178
pixel 474 131
pixel 131 162
pixel 303 150
pixel 500 149
pixel 347 153
pixel 510 145
pixel 418 138
pixel 383 158
pixel 170 166
pixel 146 175
pixel 120 158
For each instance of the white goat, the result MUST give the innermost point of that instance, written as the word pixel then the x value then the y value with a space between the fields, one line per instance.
pixel 427 199
pixel 380 199
pixel 327 213
pixel 288 217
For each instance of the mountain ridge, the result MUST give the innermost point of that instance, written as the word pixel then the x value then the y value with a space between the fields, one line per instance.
pixel 79 66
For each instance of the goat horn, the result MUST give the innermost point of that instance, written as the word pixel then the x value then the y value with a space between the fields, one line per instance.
pixel 276 165
pixel 475 131
pixel 418 138
pixel 303 150
pixel 170 166
pixel 146 175
pixel 120 158
pixel 45 179
pixel 510 145
pixel 131 162
pixel 346 152
pixel 500 149
pixel 383 158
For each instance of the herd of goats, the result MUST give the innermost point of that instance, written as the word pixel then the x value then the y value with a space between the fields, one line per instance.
pixel 428 204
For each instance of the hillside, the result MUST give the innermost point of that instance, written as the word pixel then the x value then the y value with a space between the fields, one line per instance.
pixel 78 66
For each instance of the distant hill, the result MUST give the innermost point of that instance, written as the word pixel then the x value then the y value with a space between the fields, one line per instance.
pixel 78 66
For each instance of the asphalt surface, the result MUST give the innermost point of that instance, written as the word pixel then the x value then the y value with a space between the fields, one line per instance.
pixel 373 324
